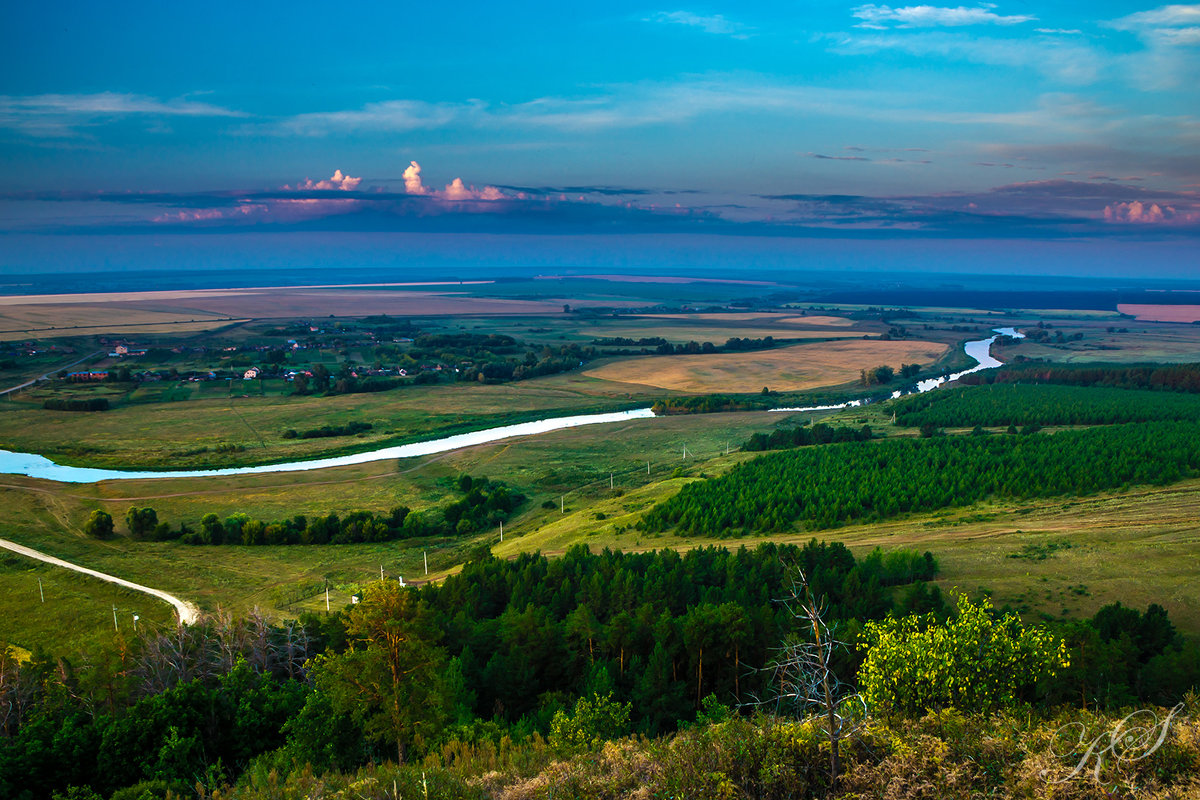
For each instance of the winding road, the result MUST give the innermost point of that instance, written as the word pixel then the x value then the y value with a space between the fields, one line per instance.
pixel 188 613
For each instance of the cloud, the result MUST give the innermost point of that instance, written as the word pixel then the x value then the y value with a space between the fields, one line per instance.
pixel 456 191
pixel 412 179
pixel 714 23
pixel 61 115
pixel 1137 212
pixel 1065 60
pixel 837 158
pixel 338 181
pixel 387 116
pixel 1172 16
pixel 880 17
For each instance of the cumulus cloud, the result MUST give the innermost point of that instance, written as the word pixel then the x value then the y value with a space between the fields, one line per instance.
pixel 412 179
pixel 1147 213
pixel 876 16
pixel 456 190
pixel 713 23
pixel 338 181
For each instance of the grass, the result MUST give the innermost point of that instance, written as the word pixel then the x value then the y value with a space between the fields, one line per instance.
pixel 77 614
pixel 795 368
pixel 173 434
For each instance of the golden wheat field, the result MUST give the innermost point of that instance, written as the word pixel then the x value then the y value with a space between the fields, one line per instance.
pixel 803 366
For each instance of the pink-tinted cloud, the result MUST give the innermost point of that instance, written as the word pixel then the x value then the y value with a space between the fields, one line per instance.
pixel 456 190
pixel 412 179
pixel 1137 212
pixel 338 181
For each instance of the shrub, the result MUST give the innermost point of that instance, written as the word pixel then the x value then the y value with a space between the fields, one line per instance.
pixel 974 661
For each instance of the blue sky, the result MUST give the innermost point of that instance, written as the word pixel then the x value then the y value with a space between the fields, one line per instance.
pixel 628 124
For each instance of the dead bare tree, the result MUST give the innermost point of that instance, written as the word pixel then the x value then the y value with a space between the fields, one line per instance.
pixel 802 681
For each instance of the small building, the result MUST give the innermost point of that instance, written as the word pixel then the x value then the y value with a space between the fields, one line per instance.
pixel 251 374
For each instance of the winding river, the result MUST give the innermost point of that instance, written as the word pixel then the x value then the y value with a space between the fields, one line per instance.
pixel 36 466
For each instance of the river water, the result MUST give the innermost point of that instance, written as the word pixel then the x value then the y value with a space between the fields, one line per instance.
pixel 36 466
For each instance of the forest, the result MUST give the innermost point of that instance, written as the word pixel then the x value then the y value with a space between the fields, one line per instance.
pixel 1043 404
pixel 800 436
pixel 822 487
pixel 1160 377
pixel 543 657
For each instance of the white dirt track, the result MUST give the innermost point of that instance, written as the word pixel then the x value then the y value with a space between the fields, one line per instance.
pixel 188 613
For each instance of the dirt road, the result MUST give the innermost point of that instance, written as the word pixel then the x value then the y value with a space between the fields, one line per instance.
pixel 188 613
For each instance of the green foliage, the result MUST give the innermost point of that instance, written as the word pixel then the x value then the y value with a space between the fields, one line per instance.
pixel 142 522
pixel 1160 377
pixel 783 438
pixel 99 525
pixel 390 681
pixel 594 721
pixel 974 661
pixel 868 481
pixel 486 503
pixel 76 404
pixel 710 404
pixel 1043 404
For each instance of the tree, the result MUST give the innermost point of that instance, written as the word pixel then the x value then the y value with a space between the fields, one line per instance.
pixel 99 525
pixel 391 679
pixel 973 662
pixel 802 678
pixel 142 522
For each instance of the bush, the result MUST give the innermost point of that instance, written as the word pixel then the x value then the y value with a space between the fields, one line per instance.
pixel 974 662
pixel 99 525
pixel 592 722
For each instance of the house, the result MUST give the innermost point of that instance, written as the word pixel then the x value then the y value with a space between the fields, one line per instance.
pixel 251 374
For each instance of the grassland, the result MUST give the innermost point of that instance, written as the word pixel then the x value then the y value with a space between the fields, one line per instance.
pixel 794 368
pixel 77 612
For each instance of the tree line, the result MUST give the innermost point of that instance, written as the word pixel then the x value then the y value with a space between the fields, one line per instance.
pixel 1161 377
pixel 821 487
pixel 483 505
pixel 1043 404
pixel 801 436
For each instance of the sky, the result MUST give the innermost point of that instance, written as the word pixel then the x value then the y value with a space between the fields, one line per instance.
pixel 1058 137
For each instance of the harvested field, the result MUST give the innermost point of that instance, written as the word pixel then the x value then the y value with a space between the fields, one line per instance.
pixel 758 318
pixel 1149 313
pixel 804 366
pixel 189 311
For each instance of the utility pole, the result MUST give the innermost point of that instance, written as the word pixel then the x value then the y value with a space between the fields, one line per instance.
pixel 115 628
pixel 647 468
pixel 501 530
pixel 562 504
pixel 381 572
pixel 41 591
pixel 610 481
pixel 326 597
